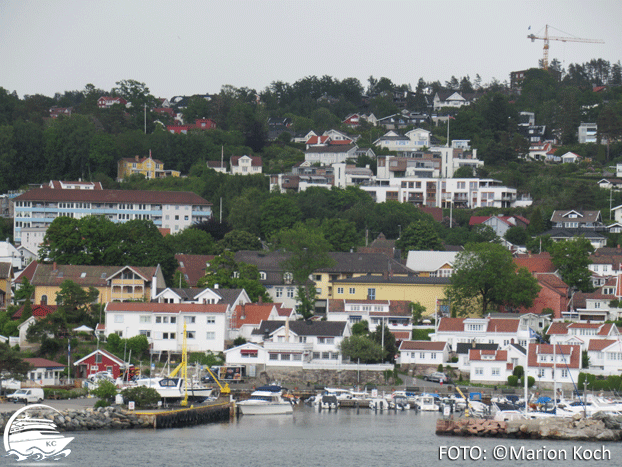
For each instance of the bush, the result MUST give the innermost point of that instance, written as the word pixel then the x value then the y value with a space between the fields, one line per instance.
pixel 518 371
pixel 513 380
pixel 142 396
pixel 440 368
pixel 530 381
pixel 64 393
pixel 105 390
pixel 101 403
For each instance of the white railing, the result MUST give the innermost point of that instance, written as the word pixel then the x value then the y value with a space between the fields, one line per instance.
pixel 336 365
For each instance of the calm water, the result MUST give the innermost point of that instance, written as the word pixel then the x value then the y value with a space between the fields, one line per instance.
pixel 308 438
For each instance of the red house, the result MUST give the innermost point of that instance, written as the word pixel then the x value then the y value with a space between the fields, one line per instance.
pixel 99 360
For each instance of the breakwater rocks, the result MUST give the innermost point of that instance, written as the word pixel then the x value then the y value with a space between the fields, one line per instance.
pixel 600 427
pixel 113 418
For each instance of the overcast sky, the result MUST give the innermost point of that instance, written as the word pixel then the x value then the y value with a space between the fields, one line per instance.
pixel 186 47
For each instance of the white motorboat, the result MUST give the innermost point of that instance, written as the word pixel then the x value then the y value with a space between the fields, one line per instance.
pixel 378 403
pixel 398 402
pixel 427 403
pixel 174 389
pixel 266 400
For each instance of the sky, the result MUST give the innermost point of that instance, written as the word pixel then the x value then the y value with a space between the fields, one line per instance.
pixel 187 47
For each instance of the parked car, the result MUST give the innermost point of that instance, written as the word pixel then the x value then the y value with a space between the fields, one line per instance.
pixel 437 378
pixel 101 375
pixel 26 395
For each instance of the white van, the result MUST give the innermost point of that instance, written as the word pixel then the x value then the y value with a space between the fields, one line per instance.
pixel 26 395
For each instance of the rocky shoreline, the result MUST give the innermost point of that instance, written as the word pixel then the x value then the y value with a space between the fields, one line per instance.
pixel 103 418
pixel 600 427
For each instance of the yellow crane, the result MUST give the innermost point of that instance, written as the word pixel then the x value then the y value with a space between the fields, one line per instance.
pixel 546 38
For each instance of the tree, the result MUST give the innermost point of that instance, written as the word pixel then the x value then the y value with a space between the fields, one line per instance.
pixel 75 301
pixel 419 235
pixel 341 234
pixel 25 291
pixel 278 212
pixel 361 328
pixel 516 235
pixel 485 275
pixel 237 240
pixel 381 336
pixel 229 274
pixel 11 364
pixel 361 347
pixel 572 258
pixel 308 252
pixel 191 241
pixel 417 310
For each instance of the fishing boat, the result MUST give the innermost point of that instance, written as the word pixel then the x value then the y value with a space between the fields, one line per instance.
pixel 175 390
pixel 266 400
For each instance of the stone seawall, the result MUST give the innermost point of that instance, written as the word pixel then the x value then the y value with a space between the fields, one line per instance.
pixel 117 418
pixel 600 427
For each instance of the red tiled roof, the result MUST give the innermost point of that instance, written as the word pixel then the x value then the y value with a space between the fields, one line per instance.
pixel 451 325
pixel 153 307
pixel 499 355
pixel 317 140
pixel 193 266
pixel 401 335
pixel 43 363
pixel 255 161
pixel 600 344
pixel 37 310
pixel 503 325
pixel 474 220
pixel 606 329
pixel 557 328
pixel 571 352
pixel 535 263
pixel 114 196
pixel 251 313
pixel 423 345
pixel 29 272
pixel 340 141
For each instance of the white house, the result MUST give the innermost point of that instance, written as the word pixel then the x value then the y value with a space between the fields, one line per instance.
pixel 44 372
pixel 423 353
pixel 299 343
pixel 502 332
pixel 163 324
pixel 462 351
pixel 581 334
pixel 570 158
pixel 606 355
pixel 550 364
pixel 246 165
pixel 489 366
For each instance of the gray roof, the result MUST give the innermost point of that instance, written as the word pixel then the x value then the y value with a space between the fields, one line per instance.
pixel 572 233
pixel 364 263
pixel 429 261
pixel 337 148
pixel 583 216
pixel 305 328
pixel 464 347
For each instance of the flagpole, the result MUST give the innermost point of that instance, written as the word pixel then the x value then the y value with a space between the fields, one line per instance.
pixel 525 375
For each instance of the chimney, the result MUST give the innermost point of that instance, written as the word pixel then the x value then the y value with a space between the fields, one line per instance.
pixel 136 158
pixel 54 267
pixel 243 314
pixel 260 301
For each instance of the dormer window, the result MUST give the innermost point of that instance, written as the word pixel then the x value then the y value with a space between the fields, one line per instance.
pixel 288 277
pixel 262 276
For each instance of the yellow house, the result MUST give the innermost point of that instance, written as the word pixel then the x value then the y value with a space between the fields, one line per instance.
pixel 428 291
pixel 150 168
pixel 6 277
pixel 352 265
pixel 114 283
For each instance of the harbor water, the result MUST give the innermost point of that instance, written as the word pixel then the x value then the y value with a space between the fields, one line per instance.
pixel 345 437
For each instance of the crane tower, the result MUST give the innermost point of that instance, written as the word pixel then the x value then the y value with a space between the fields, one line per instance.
pixel 546 38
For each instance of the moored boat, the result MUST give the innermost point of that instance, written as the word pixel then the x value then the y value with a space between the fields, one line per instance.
pixel 266 400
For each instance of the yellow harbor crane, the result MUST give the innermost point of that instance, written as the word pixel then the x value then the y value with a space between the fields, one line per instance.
pixel 546 38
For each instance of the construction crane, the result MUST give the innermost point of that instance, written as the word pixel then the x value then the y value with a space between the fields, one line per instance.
pixel 546 38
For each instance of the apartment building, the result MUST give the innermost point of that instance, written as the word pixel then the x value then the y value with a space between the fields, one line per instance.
pixel 36 209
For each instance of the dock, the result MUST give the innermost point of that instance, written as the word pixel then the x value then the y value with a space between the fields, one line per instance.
pixel 188 416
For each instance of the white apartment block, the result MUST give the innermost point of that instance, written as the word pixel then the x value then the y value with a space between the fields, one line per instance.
pixel 460 192
pixel 163 324
pixel 36 209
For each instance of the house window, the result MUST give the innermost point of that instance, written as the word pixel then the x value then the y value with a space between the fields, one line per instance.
pixel 371 294
pixel 285 356
pixel 118 318
pixel 145 319
pixel 279 292
pixel 340 290
pixel 316 355
pixel 190 319
pixel 564 373
pixel 158 320
pixel 173 320
pixel 274 356
pixel 262 276
pixel 210 336
pixel 98 358
pixel 540 372
pixel 317 277
pixel 144 333
pixel 211 320
pixel 479 371
pixel 495 372
pixel 352 290
pixel 190 334
pixel 297 357
pixel 422 355
pixel 290 292
pixel 433 355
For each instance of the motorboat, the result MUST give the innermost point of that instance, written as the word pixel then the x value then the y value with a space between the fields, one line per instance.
pixel 174 389
pixel 36 437
pixel 378 403
pixel 328 402
pixel 266 400
pixel 427 402
pixel 399 402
